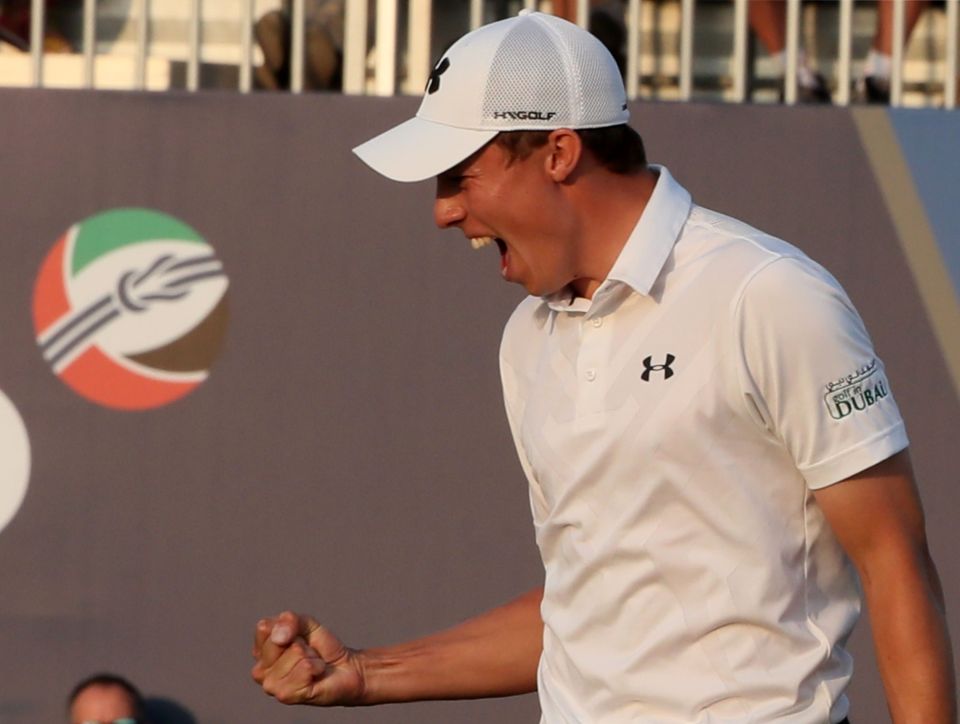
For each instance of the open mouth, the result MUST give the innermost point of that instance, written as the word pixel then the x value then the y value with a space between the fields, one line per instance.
pixel 504 256
pixel 478 242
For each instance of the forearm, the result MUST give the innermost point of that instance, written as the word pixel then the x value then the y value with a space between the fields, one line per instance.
pixel 911 638
pixel 878 519
pixel 494 654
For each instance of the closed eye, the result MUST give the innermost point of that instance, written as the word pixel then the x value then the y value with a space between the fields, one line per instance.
pixel 449 184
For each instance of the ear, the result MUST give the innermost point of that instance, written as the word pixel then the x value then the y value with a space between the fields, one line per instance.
pixel 564 149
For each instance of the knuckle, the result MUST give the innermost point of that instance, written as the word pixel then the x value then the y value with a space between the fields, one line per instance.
pixel 299 649
pixel 286 697
pixel 304 667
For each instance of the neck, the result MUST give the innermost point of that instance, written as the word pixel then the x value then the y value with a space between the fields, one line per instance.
pixel 611 206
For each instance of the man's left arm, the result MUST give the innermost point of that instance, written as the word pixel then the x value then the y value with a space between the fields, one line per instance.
pixel 878 519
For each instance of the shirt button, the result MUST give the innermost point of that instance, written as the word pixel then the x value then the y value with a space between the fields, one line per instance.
pixel 591 375
pixel 597 321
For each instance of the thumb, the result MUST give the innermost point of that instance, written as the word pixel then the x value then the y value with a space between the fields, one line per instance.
pixel 285 629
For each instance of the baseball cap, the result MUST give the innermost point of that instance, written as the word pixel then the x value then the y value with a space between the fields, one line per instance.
pixel 530 72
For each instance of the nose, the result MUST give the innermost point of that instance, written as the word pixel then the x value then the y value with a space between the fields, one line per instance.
pixel 448 211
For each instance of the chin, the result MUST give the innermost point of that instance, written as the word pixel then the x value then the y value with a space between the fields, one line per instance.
pixel 544 291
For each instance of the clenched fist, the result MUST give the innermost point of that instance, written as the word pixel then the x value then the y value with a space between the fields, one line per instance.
pixel 298 661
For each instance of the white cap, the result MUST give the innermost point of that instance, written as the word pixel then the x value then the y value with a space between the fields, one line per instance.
pixel 530 72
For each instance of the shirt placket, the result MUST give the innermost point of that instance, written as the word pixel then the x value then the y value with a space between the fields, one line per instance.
pixel 592 367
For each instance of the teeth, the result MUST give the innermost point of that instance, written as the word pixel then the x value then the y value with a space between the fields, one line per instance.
pixel 478 242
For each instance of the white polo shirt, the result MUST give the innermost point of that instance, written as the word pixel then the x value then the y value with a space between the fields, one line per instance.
pixel 672 429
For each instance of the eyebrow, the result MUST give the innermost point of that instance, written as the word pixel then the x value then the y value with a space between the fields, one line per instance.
pixel 457 170
pixel 460 168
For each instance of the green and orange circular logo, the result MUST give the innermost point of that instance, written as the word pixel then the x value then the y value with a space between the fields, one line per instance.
pixel 130 308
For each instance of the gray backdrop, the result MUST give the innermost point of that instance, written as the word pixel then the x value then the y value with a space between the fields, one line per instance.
pixel 348 456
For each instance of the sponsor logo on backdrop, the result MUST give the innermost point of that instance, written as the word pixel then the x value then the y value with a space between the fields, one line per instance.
pixel 14 461
pixel 130 308
pixel 858 391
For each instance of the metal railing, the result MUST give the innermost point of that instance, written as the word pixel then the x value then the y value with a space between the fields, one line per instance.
pixel 399 62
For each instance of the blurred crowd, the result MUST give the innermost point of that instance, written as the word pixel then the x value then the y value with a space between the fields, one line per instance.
pixel 324 37
pixel 324 44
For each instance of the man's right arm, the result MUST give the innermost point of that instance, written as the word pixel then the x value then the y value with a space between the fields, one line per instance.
pixel 494 654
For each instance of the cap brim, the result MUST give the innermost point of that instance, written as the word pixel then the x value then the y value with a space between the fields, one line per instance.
pixel 419 149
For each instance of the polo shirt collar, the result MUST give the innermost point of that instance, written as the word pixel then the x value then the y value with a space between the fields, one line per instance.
pixel 646 250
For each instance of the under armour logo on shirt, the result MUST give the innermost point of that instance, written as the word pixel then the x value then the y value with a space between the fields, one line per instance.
pixel 433 84
pixel 649 366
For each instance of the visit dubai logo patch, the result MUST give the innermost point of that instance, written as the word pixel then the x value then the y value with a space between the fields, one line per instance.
pixel 860 390
pixel 130 308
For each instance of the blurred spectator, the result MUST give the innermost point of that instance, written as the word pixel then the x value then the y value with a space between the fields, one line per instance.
pixel 874 84
pixel 606 22
pixel 323 46
pixel 768 19
pixel 106 699
pixel 15 26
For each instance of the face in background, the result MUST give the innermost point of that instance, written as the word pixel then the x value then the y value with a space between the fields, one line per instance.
pixel 105 704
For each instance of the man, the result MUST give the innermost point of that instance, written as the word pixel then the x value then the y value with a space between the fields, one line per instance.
pixel 323 45
pixel 15 25
pixel 105 699
pixel 873 85
pixel 605 20
pixel 708 436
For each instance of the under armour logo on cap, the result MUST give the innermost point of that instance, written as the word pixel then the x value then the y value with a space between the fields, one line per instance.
pixel 433 84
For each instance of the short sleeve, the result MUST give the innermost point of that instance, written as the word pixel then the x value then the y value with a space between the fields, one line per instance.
pixel 520 329
pixel 808 368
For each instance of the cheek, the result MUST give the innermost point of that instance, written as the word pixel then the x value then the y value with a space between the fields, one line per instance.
pixel 527 213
